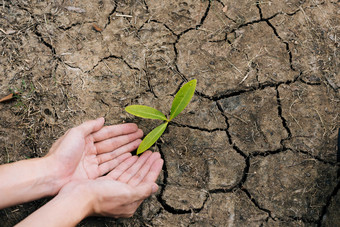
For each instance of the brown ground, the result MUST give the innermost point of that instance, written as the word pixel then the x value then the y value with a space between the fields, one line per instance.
pixel 255 147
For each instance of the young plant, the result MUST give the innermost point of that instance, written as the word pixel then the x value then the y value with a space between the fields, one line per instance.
pixel 181 100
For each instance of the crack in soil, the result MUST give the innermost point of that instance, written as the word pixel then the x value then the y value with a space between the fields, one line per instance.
pixel 146 6
pixel 316 157
pixel 261 86
pixel 204 16
pixel 166 206
pixel 176 59
pixel 220 108
pixel 223 5
pixel 176 211
pixel 241 26
pixel 236 148
pixel 178 36
pixel 48 45
pixel 310 83
pixel 158 22
pixel 259 8
pixel 71 26
pixel 173 123
pixel 290 218
pixel 71 66
pixel 114 57
pixel 276 34
pixel 284 42
pixel 149 84
pixel 179 87
pixel 328 202
pixel 285 125
pixel 256 203
pixel 255 22
pixel 111 13
pixel 245 170
pixel 284 121
pixel 269 212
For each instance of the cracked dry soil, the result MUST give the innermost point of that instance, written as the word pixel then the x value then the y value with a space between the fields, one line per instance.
pixel 255 147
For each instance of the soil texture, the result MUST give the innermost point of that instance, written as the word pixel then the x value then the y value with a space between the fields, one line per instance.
pixel 257 145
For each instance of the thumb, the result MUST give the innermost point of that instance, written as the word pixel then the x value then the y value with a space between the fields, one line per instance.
pixel 91 126
pixel 143 191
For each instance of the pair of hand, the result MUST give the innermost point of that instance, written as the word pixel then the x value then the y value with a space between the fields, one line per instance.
pixel 95 160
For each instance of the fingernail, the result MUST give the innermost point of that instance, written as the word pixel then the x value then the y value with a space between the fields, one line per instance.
pixel 154 188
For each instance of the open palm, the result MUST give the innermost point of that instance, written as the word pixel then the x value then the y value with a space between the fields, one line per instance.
pixel 123 189
pixel 91 150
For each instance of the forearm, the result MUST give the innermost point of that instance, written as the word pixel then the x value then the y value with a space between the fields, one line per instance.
pixel 63 210
pixel 26 180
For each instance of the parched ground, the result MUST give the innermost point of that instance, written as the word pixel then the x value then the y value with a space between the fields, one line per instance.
pixel 255 147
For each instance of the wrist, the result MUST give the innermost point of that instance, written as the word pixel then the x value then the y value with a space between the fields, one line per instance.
pixel 54 177
pixel 85 197
pixel 80 195
pixel 51 178
pixel 68 208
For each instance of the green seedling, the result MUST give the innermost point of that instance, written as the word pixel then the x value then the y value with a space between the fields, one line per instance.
pixel 181 100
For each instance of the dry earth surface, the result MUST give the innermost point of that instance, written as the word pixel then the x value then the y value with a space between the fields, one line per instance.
pixel 255 147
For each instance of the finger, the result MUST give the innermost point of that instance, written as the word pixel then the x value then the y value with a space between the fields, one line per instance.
pixel 91 126
pixel 119 151
pixel 129 173
pixel 122 167
pixel 113 131
pixel 110 165
pixel 137 203
pixel 111 144
pixel 144 170
pixel 154 172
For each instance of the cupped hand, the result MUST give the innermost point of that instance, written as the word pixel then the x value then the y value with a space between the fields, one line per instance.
pixel 122 190
pixel 91 150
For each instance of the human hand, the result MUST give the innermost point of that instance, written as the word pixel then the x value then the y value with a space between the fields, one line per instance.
pixel 91 150
pixel 135 178
pixel 117 194
pixel 120 192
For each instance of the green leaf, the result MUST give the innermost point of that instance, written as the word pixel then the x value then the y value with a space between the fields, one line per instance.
pixel 145 112
pixel 182 98
pixel 151 138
